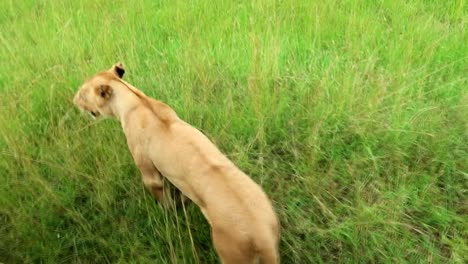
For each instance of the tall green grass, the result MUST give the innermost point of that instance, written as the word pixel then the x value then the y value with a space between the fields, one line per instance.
pixel 352 115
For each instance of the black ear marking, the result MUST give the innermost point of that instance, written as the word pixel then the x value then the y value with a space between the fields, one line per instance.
pixel 119 69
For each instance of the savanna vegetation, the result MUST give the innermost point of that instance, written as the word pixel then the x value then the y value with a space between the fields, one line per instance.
pixel 352 115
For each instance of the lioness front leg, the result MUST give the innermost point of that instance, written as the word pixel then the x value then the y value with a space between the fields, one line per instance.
pixel 153 181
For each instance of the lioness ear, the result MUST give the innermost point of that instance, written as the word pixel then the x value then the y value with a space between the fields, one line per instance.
pixel 119 69
pixel 104 91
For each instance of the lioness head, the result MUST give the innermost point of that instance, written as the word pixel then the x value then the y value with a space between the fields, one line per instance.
pixel 94 95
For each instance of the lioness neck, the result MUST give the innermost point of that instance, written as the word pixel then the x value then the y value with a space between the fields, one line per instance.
pixel 127 98
pixel 123 102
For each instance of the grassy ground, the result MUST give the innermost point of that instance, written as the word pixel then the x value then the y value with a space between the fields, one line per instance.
pixel 352 115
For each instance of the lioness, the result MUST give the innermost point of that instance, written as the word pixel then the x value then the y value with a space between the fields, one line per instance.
pixel 244 226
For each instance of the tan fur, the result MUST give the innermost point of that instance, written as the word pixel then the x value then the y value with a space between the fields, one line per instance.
pixel 244 225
